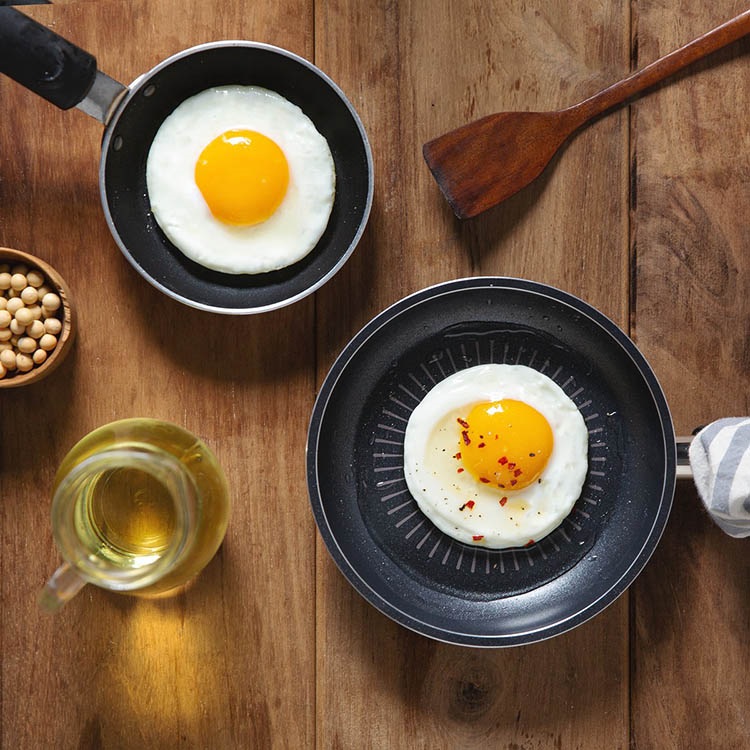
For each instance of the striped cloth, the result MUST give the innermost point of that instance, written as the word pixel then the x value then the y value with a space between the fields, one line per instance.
pixel 720 460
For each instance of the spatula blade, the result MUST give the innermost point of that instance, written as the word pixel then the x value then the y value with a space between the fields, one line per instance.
pixel 481 164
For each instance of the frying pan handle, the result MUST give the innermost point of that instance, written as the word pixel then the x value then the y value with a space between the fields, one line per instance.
pixel 684 470
pixel 42 61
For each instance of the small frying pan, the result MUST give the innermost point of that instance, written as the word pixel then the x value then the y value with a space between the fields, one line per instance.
pixel 67 76
pixel 394 556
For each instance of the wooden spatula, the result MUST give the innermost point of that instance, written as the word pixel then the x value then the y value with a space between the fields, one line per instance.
pixel 485 162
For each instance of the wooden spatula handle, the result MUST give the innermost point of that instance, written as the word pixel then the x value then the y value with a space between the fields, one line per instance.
pixel 664 67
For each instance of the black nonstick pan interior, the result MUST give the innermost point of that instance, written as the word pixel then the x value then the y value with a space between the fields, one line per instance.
pixel 123 174
pixel 392 553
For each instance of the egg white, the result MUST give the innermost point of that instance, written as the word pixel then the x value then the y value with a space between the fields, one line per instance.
pixel 184 216
pixel 432 439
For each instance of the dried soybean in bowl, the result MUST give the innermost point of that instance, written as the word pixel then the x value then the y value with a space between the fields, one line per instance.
pixel 30 322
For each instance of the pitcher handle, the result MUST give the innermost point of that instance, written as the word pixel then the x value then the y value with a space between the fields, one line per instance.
pixel 64 584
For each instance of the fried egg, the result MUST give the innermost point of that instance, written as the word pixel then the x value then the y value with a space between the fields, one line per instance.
pixel 496 455
pixel 240 180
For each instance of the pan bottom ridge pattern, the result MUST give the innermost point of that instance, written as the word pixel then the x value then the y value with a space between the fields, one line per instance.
pixel 408 536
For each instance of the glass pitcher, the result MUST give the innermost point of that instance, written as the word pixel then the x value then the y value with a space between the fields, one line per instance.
pixel 140 506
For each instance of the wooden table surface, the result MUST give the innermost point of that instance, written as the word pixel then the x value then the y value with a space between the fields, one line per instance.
pixel 644 215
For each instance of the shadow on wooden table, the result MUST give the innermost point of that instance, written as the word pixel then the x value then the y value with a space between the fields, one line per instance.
pixel 694 563
pixel 691 611
pixel 237 348
pixel 459 695
pixel 482 235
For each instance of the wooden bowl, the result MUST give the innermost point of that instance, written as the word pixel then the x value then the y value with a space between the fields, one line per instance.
pixel 67 318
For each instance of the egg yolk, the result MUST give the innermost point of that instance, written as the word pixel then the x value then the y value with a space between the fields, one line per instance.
pixel 505 443
pixel 243 177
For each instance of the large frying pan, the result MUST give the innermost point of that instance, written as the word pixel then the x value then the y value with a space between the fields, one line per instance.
pixel 67 76
pixel 393 555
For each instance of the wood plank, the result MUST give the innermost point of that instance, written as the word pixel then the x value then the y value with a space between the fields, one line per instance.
pixel 424 68
pixel 232 663
pixel 212 667
pixel 692 310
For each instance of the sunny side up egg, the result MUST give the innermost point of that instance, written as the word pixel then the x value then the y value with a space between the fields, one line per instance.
pixel 240 180
pixel 496 455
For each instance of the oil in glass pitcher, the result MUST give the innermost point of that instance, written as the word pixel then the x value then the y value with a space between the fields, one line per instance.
pixel 140 506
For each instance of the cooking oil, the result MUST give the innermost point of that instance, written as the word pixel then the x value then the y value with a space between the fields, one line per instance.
pixel 140 506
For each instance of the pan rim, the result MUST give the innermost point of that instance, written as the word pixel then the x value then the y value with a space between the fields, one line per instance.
pixel 140 82
pixel 647 543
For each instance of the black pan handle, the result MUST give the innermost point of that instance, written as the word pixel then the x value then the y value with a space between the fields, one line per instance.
pixel 43 61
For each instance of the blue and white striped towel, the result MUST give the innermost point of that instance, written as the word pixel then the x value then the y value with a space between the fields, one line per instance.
pixel 720 460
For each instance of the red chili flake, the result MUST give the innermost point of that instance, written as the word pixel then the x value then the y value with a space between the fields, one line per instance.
pixel 517 473
pixel 481 445
pixel 466 438
pixel 459 470
pixel 513 482
pixel 501 486
pixel 478 537
pixel 529 543
pixel 511 466
pixel 463 423
pixel 458 456
pixel 502 460
pixel 503 500
pixel 469 504
pixel 484 480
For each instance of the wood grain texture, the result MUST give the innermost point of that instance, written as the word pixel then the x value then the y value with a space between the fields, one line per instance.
pixel 642 215
pixel 692 314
